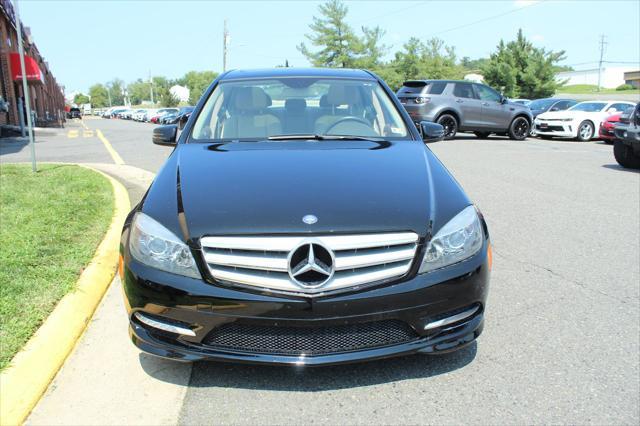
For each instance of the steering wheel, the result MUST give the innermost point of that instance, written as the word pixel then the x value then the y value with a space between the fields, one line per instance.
pixel 348 118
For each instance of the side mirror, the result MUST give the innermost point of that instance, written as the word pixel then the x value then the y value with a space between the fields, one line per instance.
pixel 555 109
pixel 431 132
pixel 503 99
pixel 165 135
pixel 182 121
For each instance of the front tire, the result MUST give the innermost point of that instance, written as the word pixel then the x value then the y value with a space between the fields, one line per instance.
pixel 450 125
pixel 585 131
pixel 519 129
pixel 625 156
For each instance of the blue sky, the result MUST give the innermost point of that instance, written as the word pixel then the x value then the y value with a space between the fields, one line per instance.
pixel 94 41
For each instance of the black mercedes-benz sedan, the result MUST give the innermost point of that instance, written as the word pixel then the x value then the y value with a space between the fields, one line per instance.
pixel 302 220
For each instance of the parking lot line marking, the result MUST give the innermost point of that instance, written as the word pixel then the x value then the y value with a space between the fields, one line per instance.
pixel 84 125
pixel 72 134
pixel 87 134
pixel 116 157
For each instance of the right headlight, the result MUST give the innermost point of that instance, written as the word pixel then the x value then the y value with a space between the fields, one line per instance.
pixel 156 246
pixel 459 239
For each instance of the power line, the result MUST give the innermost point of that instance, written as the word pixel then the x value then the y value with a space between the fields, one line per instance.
pixel 395 12
pixel 488 18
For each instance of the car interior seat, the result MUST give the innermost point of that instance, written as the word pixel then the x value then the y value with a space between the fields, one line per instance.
pixel 248 115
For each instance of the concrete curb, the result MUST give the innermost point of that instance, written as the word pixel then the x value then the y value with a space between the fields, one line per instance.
pixel 33 368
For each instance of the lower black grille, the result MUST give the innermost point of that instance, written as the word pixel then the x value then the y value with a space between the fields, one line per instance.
pixel 287 340
pixel 550 128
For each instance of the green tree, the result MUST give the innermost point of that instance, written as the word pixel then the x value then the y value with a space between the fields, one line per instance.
pixel 80 99
pixel 98 95
pixel 522 70
pixel 473 64
pixel 197 82
pixel 373 50
pixel 139 91
pixel 116 90
pixel 167 99
pixel 338 44
pixel 421 60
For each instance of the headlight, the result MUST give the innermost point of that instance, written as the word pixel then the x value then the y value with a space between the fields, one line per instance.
pixel 458 240
pixel 565 119
pixel 156 246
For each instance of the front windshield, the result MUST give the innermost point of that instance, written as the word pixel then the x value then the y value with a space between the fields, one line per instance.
pixel 263 108
pixel 541 103
pixel 589 106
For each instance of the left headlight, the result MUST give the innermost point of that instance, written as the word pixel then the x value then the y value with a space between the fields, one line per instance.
pixel 156 246
pixel 459 239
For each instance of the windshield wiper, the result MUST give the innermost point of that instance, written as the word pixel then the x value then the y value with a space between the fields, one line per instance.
pixel 318 137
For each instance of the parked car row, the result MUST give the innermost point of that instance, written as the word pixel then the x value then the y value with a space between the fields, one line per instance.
pixel 150 115
pixel 462 106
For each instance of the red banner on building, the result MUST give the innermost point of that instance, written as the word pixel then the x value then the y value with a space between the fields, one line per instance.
pixel 34 74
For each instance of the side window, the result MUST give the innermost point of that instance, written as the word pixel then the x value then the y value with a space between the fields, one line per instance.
pixel 620 107
pixel 487 94
pixel 463 90
pixel 561 106
pixel 437 87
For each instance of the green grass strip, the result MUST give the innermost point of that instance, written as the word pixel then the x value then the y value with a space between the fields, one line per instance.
pixel 51 223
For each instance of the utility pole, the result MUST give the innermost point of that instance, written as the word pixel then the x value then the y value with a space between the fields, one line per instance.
pixel 25 89
pixel 225 46
pixel 603 43
pixel 109 94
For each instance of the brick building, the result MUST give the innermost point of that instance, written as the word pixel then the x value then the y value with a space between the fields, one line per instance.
pixel 45 95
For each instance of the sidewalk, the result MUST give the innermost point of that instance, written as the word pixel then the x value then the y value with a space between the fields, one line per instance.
pixel 106 380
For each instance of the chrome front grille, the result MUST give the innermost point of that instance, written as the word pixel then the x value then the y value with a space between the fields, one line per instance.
pixel 263 261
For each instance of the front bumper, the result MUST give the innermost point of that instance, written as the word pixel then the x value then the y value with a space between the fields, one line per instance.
pixel 206 307
pixel 560 129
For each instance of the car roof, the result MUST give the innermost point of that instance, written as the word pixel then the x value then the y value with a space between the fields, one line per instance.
pixel 440 81
pixel 297 72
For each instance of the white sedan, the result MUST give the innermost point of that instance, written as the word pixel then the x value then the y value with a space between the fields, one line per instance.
pixel 579 122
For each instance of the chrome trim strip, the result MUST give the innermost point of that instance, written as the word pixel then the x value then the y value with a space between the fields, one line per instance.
pixel 451 319
pixel 258 260
pixel 163 325
pixel 280 281
pixel 334 242
pixel 362 260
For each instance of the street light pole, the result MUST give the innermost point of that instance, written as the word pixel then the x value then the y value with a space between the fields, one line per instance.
pixel 25 89
pixel 109 94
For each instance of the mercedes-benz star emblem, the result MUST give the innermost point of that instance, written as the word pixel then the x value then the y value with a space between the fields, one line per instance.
pixel 309 219
pixel 311 265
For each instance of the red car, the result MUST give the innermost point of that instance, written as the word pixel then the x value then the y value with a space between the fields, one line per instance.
pixel 606 128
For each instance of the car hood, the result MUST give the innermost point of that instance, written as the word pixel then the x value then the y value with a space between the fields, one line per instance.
pixel 267 188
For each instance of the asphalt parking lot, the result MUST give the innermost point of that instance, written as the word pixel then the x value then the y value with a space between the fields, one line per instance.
pixel 562 332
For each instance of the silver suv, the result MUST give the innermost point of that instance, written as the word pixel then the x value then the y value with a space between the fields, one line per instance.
pixel 462 106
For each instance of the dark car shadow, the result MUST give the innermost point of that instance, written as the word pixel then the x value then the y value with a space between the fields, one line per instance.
pixel 301 379
pixel 620 168
pixel 12 145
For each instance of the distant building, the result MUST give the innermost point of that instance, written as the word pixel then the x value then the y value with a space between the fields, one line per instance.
pixel 45 95
pixel 476 78
pixel 610 77
pixel 180 92
pixel 632 78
